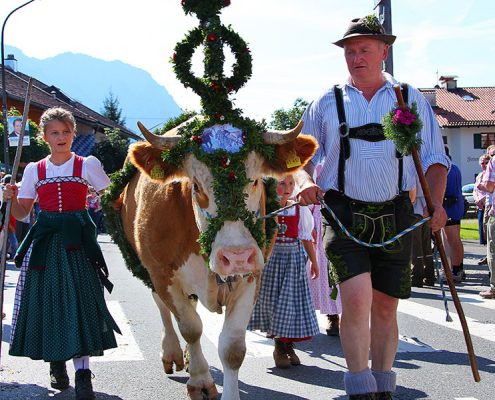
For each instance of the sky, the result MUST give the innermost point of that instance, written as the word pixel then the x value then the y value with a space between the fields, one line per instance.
pixel 290 41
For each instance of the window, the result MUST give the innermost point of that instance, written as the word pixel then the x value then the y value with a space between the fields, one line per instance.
pixel 483 140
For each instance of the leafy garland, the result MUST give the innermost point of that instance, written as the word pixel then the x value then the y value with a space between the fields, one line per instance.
pixel 229 176
pixel 113 222
pixel 402 127
pixel 214 87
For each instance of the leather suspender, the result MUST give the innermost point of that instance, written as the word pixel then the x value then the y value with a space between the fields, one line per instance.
pixel 345 147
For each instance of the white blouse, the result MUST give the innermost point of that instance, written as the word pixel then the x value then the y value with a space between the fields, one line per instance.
pixel 92 171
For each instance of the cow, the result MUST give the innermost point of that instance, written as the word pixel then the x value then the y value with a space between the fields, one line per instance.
pixel 163 215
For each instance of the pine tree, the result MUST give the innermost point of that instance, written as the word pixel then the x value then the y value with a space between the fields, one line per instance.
pixel 111 109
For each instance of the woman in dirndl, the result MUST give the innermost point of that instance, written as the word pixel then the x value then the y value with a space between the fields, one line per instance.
pixel 62 312
pixel 284 309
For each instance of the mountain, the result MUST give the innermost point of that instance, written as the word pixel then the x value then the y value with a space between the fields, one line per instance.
pixel 89 80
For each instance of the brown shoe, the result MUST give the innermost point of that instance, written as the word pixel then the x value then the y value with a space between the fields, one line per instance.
pixel 333 325
pixel 488 294
pixel 280 355
pixel 294 359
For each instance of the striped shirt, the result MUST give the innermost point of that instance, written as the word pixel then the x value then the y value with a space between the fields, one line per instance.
pixel 371 171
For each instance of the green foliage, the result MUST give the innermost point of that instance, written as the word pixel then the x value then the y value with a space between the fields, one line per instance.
pixel 288 119
pixel 112 152
pixel 37 148
pixel 113 221
pixel 111 109
pixel 404 135
pixel 229 175
pixel 214 87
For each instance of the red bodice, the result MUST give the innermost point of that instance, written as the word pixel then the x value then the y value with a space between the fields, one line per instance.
pixel 62 193
pixel 292 224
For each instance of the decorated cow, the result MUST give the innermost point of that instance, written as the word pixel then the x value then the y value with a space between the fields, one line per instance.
pixel 191 203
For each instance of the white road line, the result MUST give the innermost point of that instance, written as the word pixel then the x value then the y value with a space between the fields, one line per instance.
pixel 258 345
pixel 437 316
pixel 474 299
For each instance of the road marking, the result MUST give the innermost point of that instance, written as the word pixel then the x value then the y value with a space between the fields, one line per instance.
pixel 474 299
pixel 437 316
pixel 258 345
pixel 127 349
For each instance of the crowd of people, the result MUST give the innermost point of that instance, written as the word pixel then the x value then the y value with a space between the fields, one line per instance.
pixel 358 174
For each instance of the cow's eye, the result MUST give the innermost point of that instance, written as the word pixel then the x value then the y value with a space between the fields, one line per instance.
pixel 195 187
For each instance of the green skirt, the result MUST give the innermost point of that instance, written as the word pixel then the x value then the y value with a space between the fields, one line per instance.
pixel 63 313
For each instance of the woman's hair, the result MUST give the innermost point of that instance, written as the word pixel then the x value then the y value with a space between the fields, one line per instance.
pixel 484 157
pixel 57 113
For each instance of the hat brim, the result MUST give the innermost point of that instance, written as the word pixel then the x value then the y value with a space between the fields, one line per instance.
pixel 388 39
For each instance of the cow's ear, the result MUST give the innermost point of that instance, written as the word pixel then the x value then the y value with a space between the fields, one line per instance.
pixel 292 156
pixel 148 160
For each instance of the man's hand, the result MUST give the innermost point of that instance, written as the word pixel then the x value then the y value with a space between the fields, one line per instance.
pixel 438 219
pixel 10 192
pixel 309 194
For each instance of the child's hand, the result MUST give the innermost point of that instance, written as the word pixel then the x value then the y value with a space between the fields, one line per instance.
pixel 10 192
pixel 315 271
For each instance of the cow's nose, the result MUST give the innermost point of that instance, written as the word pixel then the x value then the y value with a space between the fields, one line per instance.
pixel 237 261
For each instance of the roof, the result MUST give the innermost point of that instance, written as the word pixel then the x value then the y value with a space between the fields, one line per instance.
pixel 44 96
pixel 469 106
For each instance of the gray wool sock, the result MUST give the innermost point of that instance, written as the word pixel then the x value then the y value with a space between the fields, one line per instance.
pixel 385 380
pixel 359 382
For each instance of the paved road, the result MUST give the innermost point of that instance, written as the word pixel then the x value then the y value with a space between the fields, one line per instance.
pixel 431 362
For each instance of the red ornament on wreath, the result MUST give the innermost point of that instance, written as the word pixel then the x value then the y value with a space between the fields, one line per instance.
pixel 197 139
pixel 212 37
pixel 232 175
pixel 227 3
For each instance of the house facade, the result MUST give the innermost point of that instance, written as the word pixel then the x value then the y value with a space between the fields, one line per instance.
pixel 467 121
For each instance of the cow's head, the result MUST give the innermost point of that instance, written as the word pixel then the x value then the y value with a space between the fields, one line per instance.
pixel 226 180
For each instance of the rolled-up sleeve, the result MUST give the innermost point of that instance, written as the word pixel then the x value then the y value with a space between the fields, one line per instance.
pixel 313 126
pixel 432 149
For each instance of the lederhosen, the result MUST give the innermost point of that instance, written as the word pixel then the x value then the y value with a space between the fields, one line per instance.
pixel 62 312
pixel 368 222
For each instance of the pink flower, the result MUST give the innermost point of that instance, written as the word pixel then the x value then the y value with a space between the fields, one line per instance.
pixel 403 117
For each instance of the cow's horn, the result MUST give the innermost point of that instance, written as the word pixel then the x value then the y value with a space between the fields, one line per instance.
pixel 162 142
pixel 281 137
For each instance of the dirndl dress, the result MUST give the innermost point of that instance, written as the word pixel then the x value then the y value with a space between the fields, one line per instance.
pixel 284 308
pixel 62 313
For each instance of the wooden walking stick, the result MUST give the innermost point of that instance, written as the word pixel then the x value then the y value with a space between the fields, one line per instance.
pixel 412 149
pixel 3 265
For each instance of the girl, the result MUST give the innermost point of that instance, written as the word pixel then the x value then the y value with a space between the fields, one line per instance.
pixel 62 312
pixel 284 308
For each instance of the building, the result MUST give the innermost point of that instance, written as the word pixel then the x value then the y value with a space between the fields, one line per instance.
pixel 467 121
pixel 90 124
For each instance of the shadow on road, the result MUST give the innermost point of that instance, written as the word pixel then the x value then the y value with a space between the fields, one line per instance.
pixel 12 391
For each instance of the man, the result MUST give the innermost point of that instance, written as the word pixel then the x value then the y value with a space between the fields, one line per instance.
pixel 454 207
pixel 359 165
pixel 17 128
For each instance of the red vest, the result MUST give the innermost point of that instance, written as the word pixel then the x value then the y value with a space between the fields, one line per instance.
pixel 62 193
pixel 292 224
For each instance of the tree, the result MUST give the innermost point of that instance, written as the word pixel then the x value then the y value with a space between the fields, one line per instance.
pixel 288 119
pixel 112 151
pixel 111 109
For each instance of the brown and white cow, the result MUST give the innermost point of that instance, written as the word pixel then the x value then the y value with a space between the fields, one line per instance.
pixel 162 219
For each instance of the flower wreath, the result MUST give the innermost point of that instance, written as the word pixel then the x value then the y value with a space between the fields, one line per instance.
pixel 229 177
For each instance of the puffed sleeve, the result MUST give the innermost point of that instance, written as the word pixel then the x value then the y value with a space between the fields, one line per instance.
pixel 94 173
pixel 29 179
pixel 306 223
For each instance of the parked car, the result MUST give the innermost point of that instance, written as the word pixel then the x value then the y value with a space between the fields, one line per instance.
pixel 467 193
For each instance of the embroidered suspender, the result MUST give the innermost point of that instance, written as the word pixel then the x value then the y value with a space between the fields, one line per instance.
pixel 369 132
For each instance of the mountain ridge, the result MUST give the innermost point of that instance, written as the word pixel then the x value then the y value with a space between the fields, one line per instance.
pixel 140 97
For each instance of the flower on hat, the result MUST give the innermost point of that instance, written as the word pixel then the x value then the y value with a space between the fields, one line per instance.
pixel 371 22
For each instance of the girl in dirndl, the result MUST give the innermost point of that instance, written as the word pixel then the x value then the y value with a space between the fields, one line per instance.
pixel 62 311
pixel 284 309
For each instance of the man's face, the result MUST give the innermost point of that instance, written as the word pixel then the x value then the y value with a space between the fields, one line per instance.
pixel 364 58
pixel 17 127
